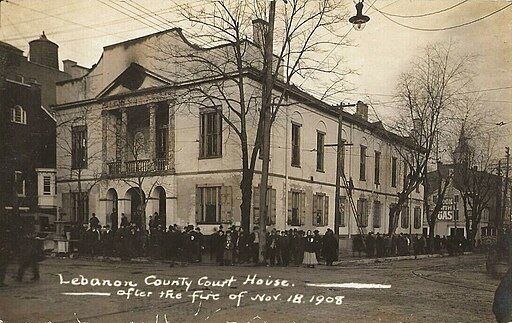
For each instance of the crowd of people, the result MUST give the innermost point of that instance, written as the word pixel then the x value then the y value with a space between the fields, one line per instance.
pixel 377 245
pixel 226 246
pixel 233 245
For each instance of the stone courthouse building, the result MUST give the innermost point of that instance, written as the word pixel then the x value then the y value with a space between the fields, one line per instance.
pixel 125 125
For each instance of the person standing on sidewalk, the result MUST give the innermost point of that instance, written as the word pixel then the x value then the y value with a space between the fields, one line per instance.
pixel 30 254
pixel 309 250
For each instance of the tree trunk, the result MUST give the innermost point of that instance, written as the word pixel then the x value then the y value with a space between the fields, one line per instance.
pixel 245 206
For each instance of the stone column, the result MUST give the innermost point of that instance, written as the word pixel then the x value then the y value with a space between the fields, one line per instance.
pixel 152 131
pixel 171 142
pixel 104 141
pixel 121 139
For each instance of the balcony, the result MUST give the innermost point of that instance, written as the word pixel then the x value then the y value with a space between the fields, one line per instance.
pixel 138 166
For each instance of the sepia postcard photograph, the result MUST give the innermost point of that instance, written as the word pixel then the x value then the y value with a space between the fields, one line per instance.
pixel 255 161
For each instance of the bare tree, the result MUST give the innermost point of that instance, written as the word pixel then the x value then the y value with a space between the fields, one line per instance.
pixel 427 95
pixel 236 67
pixel 74 143
pixel 474 157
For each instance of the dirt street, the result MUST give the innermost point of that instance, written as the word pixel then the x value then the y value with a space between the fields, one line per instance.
pixel 450 289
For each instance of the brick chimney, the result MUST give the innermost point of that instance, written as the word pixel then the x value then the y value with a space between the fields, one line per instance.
pixel 259 29
pixel 362 110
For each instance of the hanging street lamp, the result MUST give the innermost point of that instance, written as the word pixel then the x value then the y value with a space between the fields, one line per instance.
pixel 359 20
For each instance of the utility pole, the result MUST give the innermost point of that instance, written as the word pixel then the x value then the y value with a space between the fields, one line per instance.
pixel 265 144
pixel 339 168
pixel 498 202
pixel 504 204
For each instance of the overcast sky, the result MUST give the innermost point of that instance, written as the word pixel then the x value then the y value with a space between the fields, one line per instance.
pixel 384 48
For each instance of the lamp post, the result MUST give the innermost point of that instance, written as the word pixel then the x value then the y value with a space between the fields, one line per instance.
pixel 359 20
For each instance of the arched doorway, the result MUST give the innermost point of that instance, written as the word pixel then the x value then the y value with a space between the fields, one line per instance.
pixel 112 209
pixel 162 206
pixel 137 201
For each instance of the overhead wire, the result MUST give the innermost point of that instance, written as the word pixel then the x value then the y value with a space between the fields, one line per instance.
pixel 425 14
pixel 444 28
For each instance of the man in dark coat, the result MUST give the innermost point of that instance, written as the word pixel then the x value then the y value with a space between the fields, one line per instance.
pixel 502 305
pixel 94 221
pixel 329 247
pixel 30 254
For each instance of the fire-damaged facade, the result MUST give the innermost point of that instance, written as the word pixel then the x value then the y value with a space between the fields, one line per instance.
pixel 126 141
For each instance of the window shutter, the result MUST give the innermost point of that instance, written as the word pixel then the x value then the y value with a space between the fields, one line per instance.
pixel 226 212
pixel 199 216
pixel 256 204
pixel 289 220
pixel 326 210
pixel 201 134
pixel 273 206
pixel 315 209
pixel 302 208
pixel 66 206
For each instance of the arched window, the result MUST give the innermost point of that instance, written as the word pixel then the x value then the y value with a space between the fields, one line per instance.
pixel 18 115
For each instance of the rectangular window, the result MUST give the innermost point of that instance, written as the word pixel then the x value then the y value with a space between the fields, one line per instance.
pixel 362 212
pixel 343 201
pixel 377 167
pixel 209 204
pixel 47 188
pixel 79 207
pixel 362 164
pixel 417 217
pixel 320 141
pixel 211 134
pixel 270 204
pixel 377 207
pixel 79 147
pixel 296 208
pixel 296 145
pixel 405 217
pixel 406 174
pixel 19 181
pixel 320 209
pixel 393 172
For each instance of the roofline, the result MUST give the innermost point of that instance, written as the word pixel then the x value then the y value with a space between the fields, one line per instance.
pixel 303 97
pixel 178 30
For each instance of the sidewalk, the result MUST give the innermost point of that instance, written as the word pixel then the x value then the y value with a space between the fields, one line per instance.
pixel 206 261
pixel 357 260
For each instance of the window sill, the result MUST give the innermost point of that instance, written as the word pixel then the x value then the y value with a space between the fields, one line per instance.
pixel 210 157
pixel 297 166
pixel 320 171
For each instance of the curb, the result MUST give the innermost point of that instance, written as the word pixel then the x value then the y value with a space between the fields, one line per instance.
pixel 389 259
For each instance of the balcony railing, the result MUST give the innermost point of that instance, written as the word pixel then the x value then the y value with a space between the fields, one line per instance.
pixel 137 166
